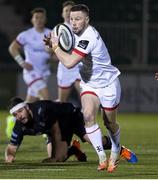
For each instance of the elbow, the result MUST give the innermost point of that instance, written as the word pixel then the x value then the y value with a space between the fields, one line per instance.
pixel 69 65
pixel 10 49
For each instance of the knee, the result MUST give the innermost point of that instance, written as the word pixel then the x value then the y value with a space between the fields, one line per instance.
pixel 87 114
pixel 88 117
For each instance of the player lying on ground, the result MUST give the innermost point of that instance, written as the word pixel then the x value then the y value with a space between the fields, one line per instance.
pixel 58 120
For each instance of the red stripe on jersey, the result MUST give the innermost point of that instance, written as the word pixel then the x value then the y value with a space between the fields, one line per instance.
pixel 79 52
pixel 18 42
pixel 110 109
pixel 35 81
pixel 88 92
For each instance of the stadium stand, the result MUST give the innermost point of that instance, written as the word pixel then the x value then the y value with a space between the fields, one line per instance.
pixel 121 24
pixel 4 56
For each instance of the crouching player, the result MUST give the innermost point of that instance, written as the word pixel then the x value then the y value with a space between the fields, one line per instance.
pixel 46 117
pixel 59 121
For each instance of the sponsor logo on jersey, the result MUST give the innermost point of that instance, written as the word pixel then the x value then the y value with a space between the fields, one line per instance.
pixel 83 44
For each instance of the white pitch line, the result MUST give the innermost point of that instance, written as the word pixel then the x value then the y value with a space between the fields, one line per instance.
pixel 38 169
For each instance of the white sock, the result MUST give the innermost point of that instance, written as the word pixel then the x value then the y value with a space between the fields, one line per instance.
pixel 95 136
pixel 115 140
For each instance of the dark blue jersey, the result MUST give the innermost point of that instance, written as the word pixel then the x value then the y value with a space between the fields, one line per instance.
pixel 45 114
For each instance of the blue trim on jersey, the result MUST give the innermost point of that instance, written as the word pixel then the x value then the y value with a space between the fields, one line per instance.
pixel 14 135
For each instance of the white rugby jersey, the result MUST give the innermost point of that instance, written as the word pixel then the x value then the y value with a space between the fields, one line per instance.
pixel 62 70
pixel 34 49
pixel 95 68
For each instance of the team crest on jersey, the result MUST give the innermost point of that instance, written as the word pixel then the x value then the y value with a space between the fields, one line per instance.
pixel 83 44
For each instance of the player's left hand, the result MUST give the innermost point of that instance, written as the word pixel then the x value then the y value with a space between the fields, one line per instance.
pixel 156 76
pixel 54 40
pixel 47 40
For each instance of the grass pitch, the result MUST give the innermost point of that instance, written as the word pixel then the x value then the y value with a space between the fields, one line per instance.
pixel 139 132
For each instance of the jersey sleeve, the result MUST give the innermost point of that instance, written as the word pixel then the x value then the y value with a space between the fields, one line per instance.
pixel 21 38
pixel 17 135
pixel 84 46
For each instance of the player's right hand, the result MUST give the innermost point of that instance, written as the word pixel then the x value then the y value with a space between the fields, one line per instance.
pixel 9 159
pixel 156 76
pixel 27 66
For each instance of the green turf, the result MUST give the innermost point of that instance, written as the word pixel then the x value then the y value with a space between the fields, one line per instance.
pixel 138 132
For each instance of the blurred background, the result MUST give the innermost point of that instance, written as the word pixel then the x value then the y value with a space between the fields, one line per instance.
pixel 129 29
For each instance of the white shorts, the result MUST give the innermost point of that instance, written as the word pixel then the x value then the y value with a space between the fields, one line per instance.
pixel 66 77
pixel 35 82
pixel 109 96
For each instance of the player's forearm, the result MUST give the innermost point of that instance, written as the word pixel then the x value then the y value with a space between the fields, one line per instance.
pixel 14 50
pixel 10 152
pixel 69 60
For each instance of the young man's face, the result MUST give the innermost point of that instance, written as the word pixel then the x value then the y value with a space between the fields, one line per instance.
pixel 22 115
pixel 66 13
pixel 38 20
pixel 79 21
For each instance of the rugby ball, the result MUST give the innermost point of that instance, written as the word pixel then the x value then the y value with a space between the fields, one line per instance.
pixel 66 37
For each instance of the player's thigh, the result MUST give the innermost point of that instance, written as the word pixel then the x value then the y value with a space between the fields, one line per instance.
pixel 90 105
pixel 89 100
pixel 43 94
pixel 35 82
pixel 77 85
pixel 63 93
pixel 39 87
pixel 31 97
